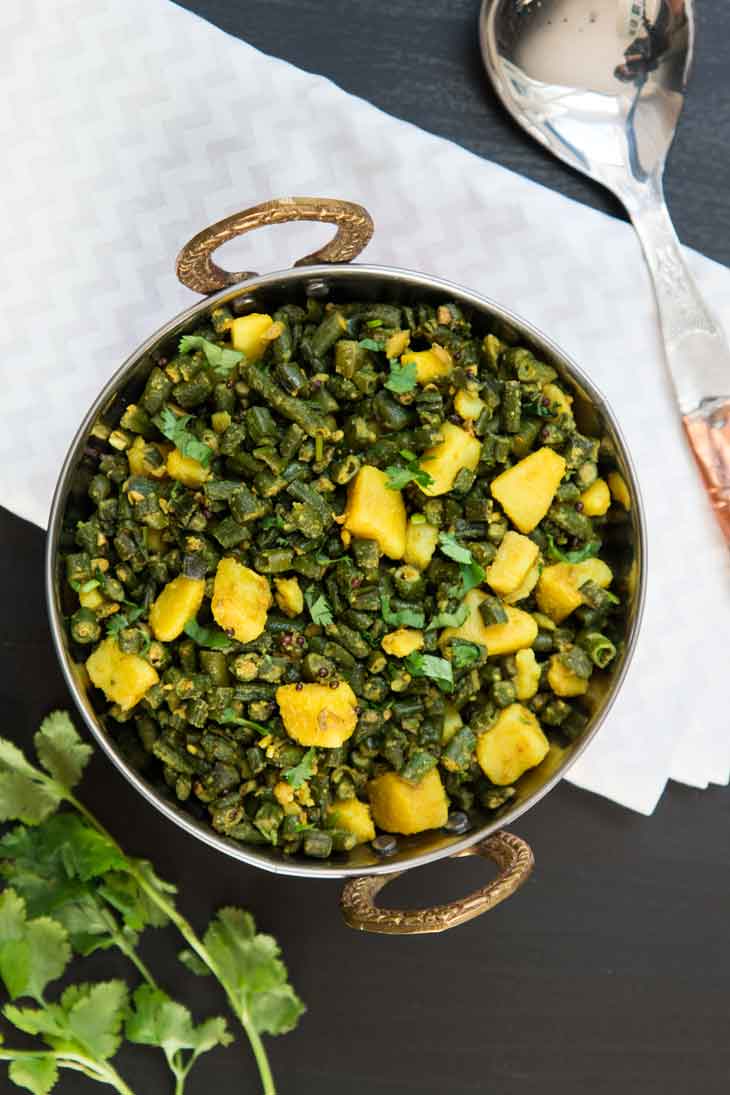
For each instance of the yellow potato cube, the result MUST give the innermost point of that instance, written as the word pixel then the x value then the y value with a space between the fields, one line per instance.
pixel 288 596
pixel 561 402
pixel 353 816
pixel 178 602
pixel 525 491
pixel 421 543
pixel 452 722
pixel 402 807
pixel 619 490
pixel 220 421
pixel 397 344
pixel 187 471
pixel 443 461
pixel 123 678
pixel 525 587
pixel 596 499
pixel 316 714
pixel 515 557
pixel 430 364
pixel 402 642
pixel 92 598
pixel 248 334
pixel 375 512
pixel 557 594
pixel 468 405
pixel 514 744
pixel 527 677
pixel 517 632
pixel 241 600
pixel 139 465
pixel 558 589
pixel 563 681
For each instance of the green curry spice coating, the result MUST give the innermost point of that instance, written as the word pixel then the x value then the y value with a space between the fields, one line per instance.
pixel 250 455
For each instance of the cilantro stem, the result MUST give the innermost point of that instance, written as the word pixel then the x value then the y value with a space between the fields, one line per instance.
pixel 189 935
pixel 96 1070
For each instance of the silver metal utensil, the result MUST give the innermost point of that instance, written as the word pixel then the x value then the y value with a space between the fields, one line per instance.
pixel 601 84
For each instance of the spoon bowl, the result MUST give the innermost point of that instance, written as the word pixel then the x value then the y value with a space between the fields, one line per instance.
pixel 601 84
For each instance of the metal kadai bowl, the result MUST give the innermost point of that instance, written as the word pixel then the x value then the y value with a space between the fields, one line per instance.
pixel 325 274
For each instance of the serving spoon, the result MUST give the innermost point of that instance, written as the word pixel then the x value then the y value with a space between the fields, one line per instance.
pixel 601 84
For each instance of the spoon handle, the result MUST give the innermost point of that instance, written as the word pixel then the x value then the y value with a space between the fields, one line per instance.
pixel 696 349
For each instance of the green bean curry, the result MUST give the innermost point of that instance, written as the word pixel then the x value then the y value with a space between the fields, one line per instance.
pixel 340 573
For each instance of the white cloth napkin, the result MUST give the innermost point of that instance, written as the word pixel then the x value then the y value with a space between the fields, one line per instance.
pixel 129 125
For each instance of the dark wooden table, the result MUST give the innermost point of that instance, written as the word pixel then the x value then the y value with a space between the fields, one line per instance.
pixel 610 971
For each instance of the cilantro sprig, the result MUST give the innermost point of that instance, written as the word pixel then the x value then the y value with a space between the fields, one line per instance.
pixel 399 476
pixel 402 378
pixel 404 617
pixel 300 773
pixel 319 608
pixel 72 888
pixel 221 359
pixel 210 637
pixel 427 665
pixel 371 344
pixel 472 574
pixel 174 428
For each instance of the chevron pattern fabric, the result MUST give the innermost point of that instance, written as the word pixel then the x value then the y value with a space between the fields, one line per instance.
pixel 131 124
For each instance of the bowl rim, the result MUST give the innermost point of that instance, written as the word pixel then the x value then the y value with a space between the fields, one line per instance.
pixel 311 275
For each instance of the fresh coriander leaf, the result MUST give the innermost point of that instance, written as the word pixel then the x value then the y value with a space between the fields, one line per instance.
pixel 586 552
pixel 94 1015
pixel 402 377
pixel 276 1011
pixel 60 749
pixel 408 455
pixel 471 576
pixel 192 962
pixel 22 798
pixel 120 620
pixel 405 617
pixel 464 653
pixel 399 477
pixel 250 964
pixel 32 952
pixel 537 409
pixel 228 717
pixel 14 758
pixel 319 608
pixel 156 1020
pixel 210 637
pixel 174 429
pixel 450 619
pixel 221 359
pixel 44 1021
pixel 36 1074
pixel 451 547
pixel 122 892
pixel 374 323
pixel 84 852
pixel 84 587
pixel 302 827
pixel 438 669
pixel 301 772
pixel 371 344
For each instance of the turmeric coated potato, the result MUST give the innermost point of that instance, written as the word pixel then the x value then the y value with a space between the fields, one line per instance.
pixel 241 600
pixel 318 714
pixel 123 678
pixel 402 807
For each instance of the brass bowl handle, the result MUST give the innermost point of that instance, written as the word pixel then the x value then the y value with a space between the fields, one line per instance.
pixel 511 854
pixel 196 269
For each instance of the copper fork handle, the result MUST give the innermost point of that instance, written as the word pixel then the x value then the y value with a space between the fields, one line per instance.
pixel 195 266
pixel 511 854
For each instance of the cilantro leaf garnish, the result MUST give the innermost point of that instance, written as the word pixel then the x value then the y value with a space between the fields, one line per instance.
pixel 427 665
pixel 371 344
pixel 404 617
pixel 229 717
pixel 121 620
pixel 374 323
pixel 464 653
pixel 402 377
pixel 174 428
pixel 586 552
pixel 399 476
pixel 450 619
pixel 211 637
pixel 303 771
pixel 451 547
pixel 221 359
pixel 319 608
pixel 472 575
